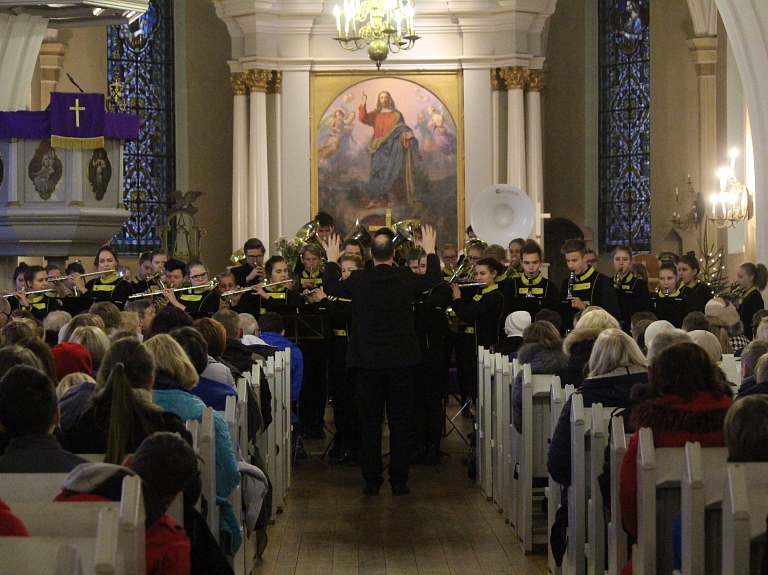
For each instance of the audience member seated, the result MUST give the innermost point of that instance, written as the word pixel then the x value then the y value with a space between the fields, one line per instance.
pixel 109 313
pixel 215 337
pixel 695 320
pixel 175 376
pixel 42 352
pixel 235 352
pixel 543 349
pixel 29 414
pixel 53 323
pixel 759 316
pixel 717 328
pixel 638 333
pixel 728 315
pixel 82 320
pixel 656 328
pixel 167 466
pixel 250 330
pixel 11 356
pixel 122 414
pixel 750 355
pixel 70 357
pixel 746 430
pixel 129 321
pixel 212 393
pixel 616 365
pixel 761 379
pixel 578 344
pixel 514 326
pixel 10 525
pixel 15 331
pixel 639 316
pixel 95 341
pixel 686 399
pixel 72 380
pixel 166 319
pixel 273 333
pixel 145 311
pixel 549 315
pixel 709 342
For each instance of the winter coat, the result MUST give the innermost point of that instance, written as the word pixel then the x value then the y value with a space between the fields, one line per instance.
pixel 542 360
pixel 612 390
pixel 578 348
pixel 74 403
pixel 674 421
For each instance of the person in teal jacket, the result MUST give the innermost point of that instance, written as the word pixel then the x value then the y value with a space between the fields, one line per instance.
pixel 175 376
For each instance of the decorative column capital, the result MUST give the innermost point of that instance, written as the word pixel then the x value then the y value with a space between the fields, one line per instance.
pixel 537 80
pixel 704 54
pixel 498 84
pixel 239 83
pixel 257 79
pixel 515 77
pixel 275 82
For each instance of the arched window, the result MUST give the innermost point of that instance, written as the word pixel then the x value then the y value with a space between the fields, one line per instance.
pixel 140 56
pixel 625 125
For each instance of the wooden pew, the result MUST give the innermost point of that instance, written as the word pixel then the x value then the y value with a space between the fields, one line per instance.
pixel 745 507
pixel 552 491
pixel 483 422
pixel 498 421
pixel 38 487
pixel 533 452
pixel 515 446
pixel 107 537
pixel 204 444
pixel 701 497
pixel 617 537
pixel 596 528
pixel 658 503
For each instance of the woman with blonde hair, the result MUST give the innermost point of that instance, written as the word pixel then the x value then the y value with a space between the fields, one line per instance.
pixel 175 377
pixel 95 341
pixel 72 380
pixel 81 320
pixel 578 345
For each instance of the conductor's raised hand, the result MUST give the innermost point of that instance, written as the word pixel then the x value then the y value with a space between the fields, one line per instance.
pixel 428 238
pixel 333 248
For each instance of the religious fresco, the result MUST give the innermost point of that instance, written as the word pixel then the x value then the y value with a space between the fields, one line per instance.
pixel 389 149
pixel 99 172
pixel 45 169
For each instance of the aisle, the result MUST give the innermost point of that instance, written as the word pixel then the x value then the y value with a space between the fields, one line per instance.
pixel 444 526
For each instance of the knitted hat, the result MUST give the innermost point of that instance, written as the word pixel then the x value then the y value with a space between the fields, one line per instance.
pixel 722 310
pixel 516 323
pixel 709 342
pixel 70 357
pixel 657 327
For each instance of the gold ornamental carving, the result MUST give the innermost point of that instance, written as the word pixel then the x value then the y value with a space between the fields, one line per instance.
pixel 515 77
pixel 275 83
pixel 537 80
pixel 239 83
pixel 257 79
pixel 498 84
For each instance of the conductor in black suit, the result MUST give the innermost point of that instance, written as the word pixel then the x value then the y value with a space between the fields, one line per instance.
pixel 383 350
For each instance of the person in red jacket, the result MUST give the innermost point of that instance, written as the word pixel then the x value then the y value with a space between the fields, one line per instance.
pixel 687 399
pixel 10 525
pixel 167 466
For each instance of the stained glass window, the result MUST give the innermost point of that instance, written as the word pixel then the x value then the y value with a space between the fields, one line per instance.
pixel 625 125
pixel 140 56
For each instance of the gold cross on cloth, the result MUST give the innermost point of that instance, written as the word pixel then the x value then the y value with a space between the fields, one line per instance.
pixel 77 109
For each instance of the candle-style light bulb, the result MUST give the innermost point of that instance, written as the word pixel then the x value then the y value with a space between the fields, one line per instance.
pixel 337 13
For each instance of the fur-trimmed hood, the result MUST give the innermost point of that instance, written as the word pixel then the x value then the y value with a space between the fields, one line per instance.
pixel 584 335
pixel 703 413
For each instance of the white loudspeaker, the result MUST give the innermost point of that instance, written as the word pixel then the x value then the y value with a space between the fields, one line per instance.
pixel 501 213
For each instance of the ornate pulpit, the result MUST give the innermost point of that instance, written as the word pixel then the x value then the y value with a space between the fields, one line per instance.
pixel 61 177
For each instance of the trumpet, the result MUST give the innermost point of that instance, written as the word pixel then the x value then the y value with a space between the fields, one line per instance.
pixel 243 290
pixel 210 285
pixel 26 293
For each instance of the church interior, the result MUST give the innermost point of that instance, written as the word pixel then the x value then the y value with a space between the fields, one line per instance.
pixel 639 123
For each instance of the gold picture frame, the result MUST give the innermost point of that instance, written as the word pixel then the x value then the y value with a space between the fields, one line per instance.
pixel 439 91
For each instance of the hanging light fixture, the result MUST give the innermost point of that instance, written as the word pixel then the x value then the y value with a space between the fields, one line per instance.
pixel 383 26
pixel 733 203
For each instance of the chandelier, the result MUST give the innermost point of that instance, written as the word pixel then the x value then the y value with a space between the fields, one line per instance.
pixel 733 203
pixel 383 26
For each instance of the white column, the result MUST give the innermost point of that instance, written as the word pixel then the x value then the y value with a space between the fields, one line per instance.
pixel 258 188
pixel 239 161
pixel 704 54
pixel 20 40
pixel 516 77
pixel 51 62
pixel 534 166
pixel 274 131
pixel 498 88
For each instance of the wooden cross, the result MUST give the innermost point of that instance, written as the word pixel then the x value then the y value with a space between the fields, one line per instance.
pixel 77 109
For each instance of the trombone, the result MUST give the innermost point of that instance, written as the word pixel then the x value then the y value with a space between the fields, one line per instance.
pixel 243 290
pixel 26 293
pixel 210 285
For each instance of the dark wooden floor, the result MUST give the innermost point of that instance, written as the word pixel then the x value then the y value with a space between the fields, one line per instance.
pixel 444 526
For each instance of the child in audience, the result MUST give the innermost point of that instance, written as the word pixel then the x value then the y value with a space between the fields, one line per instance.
pixel 687 399
pixel 167 466
pixel 750 355
pixel 29 414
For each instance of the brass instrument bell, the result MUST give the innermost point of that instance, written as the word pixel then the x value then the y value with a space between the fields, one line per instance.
pixel 405 232
pixel 360 233
pixel 238 257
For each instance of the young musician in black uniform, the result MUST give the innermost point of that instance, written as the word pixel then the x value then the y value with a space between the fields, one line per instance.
pixel 108 287
pixel 39 304
pixel 632 292
pixel 752 279
pixel 585 287
pixel 699 293
pixel 498 253
pixel 243 302
pixel 450 258
pixel 483 313
pixel 671 299
pixel 346 442
pixel 515 247
pixel 277 298
pixel 308 272
pixel 200 302
pixel 251 271
pixel 530 291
